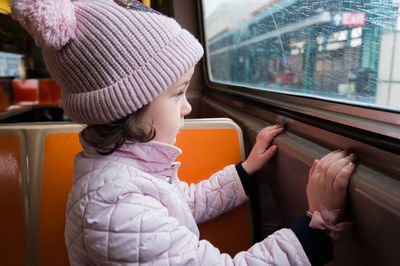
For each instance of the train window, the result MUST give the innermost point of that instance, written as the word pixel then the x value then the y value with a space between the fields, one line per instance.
pixel 340 50
pixel 339 56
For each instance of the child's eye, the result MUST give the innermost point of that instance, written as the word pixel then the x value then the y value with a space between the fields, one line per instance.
pixel 178 95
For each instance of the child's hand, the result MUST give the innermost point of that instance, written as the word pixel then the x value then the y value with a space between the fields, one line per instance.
pixel 328 179
pixel 260 154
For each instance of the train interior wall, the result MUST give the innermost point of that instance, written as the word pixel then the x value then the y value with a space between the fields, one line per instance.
pixel 373 202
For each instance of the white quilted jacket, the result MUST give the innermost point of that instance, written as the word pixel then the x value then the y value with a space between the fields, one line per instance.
pixel 122 210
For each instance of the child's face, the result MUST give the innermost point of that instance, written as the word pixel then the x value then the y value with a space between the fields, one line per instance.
pixel 167 110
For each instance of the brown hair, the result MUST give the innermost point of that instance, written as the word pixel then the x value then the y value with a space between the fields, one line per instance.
pixel 107 138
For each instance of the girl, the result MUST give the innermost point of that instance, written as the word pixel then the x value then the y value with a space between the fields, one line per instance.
pixel 124 70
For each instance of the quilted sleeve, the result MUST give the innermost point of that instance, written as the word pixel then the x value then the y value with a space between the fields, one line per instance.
pixel 220 193
pixel 137 229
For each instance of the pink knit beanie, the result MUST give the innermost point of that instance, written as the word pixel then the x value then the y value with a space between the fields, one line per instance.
pixel 110 57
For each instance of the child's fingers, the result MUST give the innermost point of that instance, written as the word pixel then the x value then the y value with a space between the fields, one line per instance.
pixel 275 132
pixel 267 136
pixel 269 153
pixel 338 163
pixel 326 161
pixel 277 125
pixel 343 177
pixel 323 162
pixel 268 131
pixel 265 130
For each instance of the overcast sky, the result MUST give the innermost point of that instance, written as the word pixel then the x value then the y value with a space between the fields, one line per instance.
pixel 210 5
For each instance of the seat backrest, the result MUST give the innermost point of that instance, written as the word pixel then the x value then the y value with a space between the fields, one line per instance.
pixel 52 148
pixel 12 184
pixel 49 150
pixel 208 145
pixel 59 152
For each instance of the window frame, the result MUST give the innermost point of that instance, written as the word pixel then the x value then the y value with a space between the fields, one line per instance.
pixel 369 124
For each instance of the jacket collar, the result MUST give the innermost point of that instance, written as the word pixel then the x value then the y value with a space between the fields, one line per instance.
pixel 152 157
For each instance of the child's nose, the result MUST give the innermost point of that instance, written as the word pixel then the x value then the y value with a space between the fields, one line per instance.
pixel 186 108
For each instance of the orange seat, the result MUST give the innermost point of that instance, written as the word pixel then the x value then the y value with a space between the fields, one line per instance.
pixel 25 92
pixel 12 245
pixel 208 147
pixel 49 92
pixel 59 152
pixel 49 150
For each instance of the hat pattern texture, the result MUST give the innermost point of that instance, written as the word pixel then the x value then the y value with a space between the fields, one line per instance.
pixel 110 57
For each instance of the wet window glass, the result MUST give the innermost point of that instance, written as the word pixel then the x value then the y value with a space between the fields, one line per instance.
pixel 346 51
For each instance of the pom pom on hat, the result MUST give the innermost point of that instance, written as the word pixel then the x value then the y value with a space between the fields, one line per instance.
pixel 52 23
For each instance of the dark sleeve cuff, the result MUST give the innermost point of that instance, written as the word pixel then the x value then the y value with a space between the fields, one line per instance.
pixel 315 242
pixel 248 183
